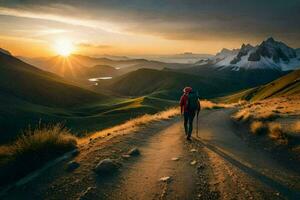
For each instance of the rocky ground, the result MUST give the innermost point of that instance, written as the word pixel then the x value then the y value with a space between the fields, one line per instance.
pixel 156 162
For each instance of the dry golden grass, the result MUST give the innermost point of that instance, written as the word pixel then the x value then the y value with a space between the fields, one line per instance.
pixel 272 129
pixel 133 124
pixel 206 104
pixel 269 109
pixel 32 149
pixel 275 132
pixel 258 128
pixel 296 127
pixel 242 115
pixel 273 117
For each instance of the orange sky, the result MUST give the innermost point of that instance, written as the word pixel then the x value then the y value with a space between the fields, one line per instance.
pixel 96 27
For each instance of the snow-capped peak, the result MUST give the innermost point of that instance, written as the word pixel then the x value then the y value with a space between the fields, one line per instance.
pixel 269 54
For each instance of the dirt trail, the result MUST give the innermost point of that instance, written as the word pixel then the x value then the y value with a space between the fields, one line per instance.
pixel 226 167
pixel 141 180
pixel 241 169
pixel 138 177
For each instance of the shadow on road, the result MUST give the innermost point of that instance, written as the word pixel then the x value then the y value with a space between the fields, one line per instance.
pixel 282 189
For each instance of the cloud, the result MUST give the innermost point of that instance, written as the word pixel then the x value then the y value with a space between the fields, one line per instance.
pixel 173 20
pixel 43 14
pixel 97 46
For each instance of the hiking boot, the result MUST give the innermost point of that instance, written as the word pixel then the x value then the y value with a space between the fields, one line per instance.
pixel 188 138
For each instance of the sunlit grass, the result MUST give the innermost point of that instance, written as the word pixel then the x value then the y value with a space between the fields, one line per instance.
pixel 296 127
pixel 272 117
pixel 134 124
pixel 206 104
pixel 32 149
pixel 258 128
pixel 276 132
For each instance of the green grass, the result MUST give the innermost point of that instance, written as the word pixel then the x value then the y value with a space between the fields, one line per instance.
pixel 286 85
pixel 164 84
pixel 29 95
pixel 32 149
pixel 17 114
pixel 31 84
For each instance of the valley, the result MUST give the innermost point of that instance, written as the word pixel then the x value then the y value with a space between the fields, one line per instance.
pixel 249 98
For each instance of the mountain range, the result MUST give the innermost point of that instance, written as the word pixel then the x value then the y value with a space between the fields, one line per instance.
pixel 57 89
pixel 78 67
pixel 269 54
pixel 184 58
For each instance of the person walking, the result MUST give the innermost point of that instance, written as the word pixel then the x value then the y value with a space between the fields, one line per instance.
pixel 190 106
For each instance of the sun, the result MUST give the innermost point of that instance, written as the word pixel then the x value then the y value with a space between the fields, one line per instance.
pixel 63 47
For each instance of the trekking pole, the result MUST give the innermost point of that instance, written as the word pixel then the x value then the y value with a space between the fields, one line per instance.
pixel 197 125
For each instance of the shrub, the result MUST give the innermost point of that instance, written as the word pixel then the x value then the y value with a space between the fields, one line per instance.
pixel 33 149
pixel 296 149
pixel 205 104
pixel 266 116
pixel 296 127
pixel 276 133
pixel 258 128
pixel 242 115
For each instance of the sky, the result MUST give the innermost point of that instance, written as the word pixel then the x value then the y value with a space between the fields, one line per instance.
pixel 144 27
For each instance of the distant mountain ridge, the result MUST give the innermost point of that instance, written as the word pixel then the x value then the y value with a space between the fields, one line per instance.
pixel 270 54
pixel 77 67
pixel 5 51
pixel 183 58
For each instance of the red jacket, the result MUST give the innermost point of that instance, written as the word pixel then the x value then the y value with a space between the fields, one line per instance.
pixel 183 103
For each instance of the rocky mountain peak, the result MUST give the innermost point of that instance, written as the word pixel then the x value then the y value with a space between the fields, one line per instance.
pixel 268 54
pixel 270 40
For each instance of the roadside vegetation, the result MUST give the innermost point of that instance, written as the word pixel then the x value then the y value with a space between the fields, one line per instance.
pixel 274 118
pixel 33 149
pixel 206 104
pixel 133 124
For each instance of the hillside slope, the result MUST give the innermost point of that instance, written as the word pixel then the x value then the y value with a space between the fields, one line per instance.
pixel 169 84
pixel 28 83
pixel 286 85
pixel 31 97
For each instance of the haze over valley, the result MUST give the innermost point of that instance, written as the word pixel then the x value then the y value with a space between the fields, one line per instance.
pixel 90 91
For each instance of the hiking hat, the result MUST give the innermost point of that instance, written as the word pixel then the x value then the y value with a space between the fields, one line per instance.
pixel 187 89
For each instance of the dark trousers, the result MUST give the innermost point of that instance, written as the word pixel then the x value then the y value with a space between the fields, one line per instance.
pixel 188 122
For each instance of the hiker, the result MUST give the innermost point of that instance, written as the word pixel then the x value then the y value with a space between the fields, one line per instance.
pixel 190 106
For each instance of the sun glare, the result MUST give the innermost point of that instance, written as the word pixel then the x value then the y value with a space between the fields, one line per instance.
pixel 64 47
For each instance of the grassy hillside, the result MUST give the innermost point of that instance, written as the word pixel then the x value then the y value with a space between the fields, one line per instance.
pixel 36 86
pixel 286 85
pixel 29 95
pixel 242 78
pixel 169 84
pixel 17 114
